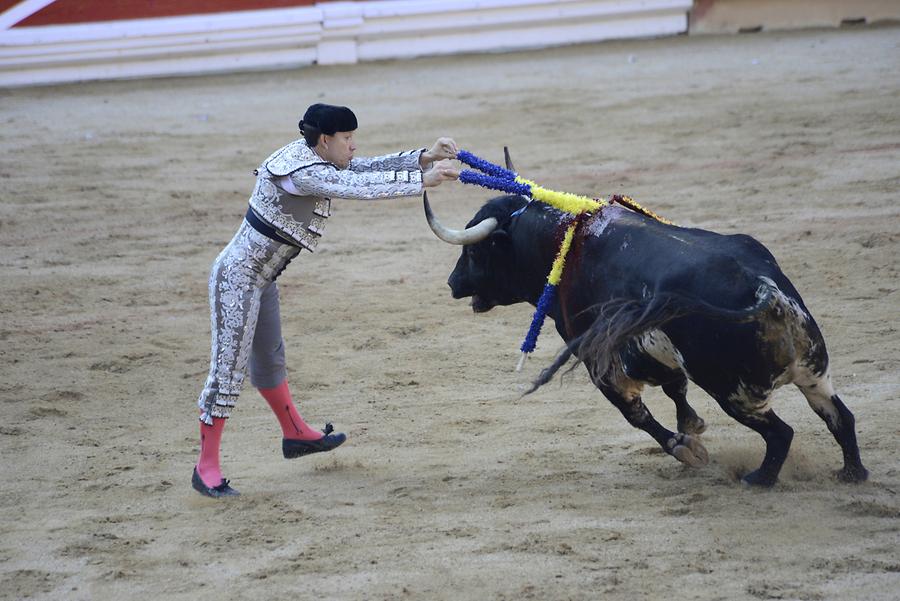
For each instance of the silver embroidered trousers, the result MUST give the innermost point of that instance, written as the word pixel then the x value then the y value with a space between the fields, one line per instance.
pixel 245 320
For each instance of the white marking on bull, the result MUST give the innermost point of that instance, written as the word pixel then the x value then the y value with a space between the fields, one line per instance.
pixel 659 346
pixel 789 304
pixel 805 377
pixel 817 389
pixel 784 330
pixel 597 226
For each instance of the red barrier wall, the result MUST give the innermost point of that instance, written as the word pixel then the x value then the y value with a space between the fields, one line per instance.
pixel 91 11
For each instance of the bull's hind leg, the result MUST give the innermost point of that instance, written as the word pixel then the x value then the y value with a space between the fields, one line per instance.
pixel 821 397
pixel 625 394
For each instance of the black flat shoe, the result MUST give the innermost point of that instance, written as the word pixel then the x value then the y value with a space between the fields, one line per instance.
pixel 298 448
pixel 222 490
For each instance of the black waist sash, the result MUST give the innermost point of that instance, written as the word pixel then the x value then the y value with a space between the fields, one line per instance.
pixel 264 228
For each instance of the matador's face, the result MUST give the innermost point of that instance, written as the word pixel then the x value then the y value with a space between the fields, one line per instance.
pixel 337 149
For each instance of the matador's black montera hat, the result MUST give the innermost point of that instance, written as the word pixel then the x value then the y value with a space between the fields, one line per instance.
pixel 328 119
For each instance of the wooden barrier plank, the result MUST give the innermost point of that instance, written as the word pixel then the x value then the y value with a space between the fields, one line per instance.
pixel 734 16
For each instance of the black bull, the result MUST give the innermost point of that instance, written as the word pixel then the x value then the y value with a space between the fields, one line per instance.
pixel 642 302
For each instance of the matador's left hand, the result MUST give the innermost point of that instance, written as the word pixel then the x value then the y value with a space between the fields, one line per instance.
pixel 444 148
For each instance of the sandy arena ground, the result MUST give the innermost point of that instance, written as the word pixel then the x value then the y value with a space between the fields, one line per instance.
pixel 116 197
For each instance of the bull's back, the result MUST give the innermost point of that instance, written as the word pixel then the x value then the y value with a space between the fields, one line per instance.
pixel 636 258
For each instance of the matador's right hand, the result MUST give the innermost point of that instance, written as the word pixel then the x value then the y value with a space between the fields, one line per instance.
pixel 440 172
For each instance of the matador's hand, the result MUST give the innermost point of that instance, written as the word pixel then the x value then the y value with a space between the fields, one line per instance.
pixel 444 148
pixel 442 171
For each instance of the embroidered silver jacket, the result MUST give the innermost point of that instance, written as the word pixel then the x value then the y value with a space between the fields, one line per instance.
pixel 294 187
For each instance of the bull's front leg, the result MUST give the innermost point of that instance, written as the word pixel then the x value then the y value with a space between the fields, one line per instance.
pixel 625 394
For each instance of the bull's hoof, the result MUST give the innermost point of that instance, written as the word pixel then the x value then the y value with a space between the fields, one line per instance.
pixel 852 474
pixel 760 479
pixel 692 425
pixel 688 450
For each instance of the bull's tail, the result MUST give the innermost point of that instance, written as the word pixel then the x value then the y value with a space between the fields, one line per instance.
pixel 548 372
pixel 620 320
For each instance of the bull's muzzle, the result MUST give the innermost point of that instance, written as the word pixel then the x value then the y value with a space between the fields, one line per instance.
pixel 470 235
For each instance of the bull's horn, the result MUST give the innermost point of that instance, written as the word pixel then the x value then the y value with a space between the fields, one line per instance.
pixel 509 164
pixel 470 235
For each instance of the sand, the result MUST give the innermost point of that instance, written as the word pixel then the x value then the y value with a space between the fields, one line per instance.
pixel 116 197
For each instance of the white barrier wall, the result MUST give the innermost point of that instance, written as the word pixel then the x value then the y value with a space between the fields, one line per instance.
pixel 328 33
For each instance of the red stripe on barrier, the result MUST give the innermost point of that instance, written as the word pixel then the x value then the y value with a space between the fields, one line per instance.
pixel 64 12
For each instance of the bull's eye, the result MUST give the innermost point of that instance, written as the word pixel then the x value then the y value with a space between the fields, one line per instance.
pixel 476 266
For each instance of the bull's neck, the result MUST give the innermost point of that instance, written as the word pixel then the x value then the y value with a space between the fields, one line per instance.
pixel 537 236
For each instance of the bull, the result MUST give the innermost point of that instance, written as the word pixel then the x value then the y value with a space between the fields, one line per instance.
pixel 646 303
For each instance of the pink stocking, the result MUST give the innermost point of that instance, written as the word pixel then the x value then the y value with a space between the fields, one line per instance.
pixel 292 425
pixel 210 440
